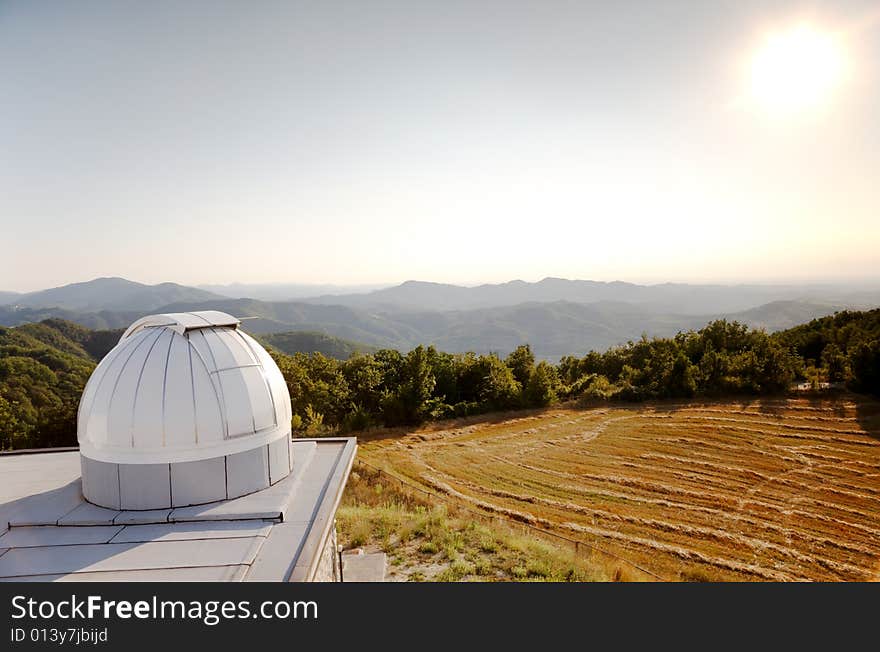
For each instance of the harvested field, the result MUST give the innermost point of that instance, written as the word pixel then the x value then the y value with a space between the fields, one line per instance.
pixel 779 489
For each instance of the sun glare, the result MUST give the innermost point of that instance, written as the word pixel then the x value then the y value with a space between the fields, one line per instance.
pixel 797 70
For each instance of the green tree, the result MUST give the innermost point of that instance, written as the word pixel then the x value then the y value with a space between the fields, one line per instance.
pixel 682 379
pixel 834 362
pixel 417 385
pixel 521 362
pixel 865 365
pixel 498 389
pixel 542 386
pixel 364 376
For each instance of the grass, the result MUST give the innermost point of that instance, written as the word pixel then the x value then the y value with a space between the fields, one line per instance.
pixel 769 489
pixel 428 541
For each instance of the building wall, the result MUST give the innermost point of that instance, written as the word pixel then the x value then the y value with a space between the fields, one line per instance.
pixel 328 567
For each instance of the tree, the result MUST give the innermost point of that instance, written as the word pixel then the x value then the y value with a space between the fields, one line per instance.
pixel 12 430
pixel 364 377
pixel 865 365
pixel 315 382
pixel 417 385
pixel 498 389
pixel 444 369
pixel 521 362
pixel 542 386
pixel 834 362
pixel 682 381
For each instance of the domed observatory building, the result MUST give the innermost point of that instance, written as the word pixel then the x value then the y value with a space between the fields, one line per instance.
pixel 185 470
pixel 186 409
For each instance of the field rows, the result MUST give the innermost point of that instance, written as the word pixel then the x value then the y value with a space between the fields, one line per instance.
pixel 785 489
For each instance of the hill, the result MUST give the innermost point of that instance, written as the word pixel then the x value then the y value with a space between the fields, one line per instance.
pixel 838 348
pixel 778 315
pixel 8 297
pixel 116 294
pixel 844 330
pixel 553 329
pixel 312 342
pixel 284 291
pixel 555 316
pixel 42 374
pixel 339 321
pixel 674 298
pixel 105 319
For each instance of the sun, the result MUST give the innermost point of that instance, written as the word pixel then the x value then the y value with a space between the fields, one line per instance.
pixel 796 70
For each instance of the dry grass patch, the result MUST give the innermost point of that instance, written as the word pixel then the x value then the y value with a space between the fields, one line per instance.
pixel 431 541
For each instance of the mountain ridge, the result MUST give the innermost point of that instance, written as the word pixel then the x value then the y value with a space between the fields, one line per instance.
pixel 109 293
pixel 553 329
pixel 683 298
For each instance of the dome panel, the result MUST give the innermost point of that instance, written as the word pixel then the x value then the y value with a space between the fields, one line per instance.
pixel 200 346
pixel 179 408
pixel 262 409
pixel 237 401
pixel 209 415
pixel 231 342
pixel 147 418
pixel 273 376
pixel 120 423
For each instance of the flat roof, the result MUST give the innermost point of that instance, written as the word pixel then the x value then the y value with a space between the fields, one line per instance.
pixel 48 532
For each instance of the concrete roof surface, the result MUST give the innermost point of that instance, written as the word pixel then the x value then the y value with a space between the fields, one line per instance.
pixel 48 532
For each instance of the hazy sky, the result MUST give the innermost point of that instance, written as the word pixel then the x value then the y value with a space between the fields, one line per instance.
pixel 361 142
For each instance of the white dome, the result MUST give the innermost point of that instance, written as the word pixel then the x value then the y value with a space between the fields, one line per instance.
pixel 182 387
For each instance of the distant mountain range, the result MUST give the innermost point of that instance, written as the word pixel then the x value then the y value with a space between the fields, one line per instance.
pixel 8 297
pixel 557 317
pixel 108 294
pixel 284 291
pixel 678 298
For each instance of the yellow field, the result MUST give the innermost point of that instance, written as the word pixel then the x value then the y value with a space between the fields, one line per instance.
pixel 782 489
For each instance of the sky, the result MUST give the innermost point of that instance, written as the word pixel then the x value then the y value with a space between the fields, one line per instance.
pixel 463 142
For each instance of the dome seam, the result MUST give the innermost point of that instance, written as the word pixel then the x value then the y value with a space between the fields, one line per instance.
pixel 165 384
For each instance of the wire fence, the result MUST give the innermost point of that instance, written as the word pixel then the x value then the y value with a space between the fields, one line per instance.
pixel 581 549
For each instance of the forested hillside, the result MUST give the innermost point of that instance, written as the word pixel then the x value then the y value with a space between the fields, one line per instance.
pixel 844 347
pixel 44 367
pixel 42 374
pixel 292 342
pixel 552 329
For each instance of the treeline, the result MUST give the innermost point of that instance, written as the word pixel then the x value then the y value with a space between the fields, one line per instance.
pixel 44 367
pixel 724 358
pixel 840 348
pixel 389 388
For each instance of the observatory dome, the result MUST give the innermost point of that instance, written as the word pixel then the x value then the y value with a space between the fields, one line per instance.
pixel 187 399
